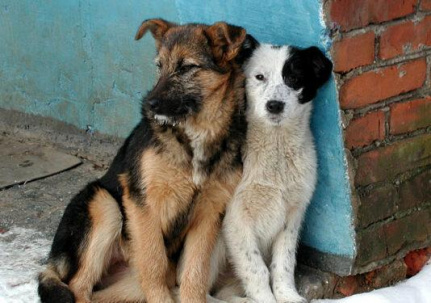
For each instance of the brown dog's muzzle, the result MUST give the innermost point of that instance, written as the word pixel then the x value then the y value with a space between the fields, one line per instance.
pixel 171 100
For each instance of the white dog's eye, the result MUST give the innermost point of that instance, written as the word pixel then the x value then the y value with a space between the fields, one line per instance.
pixel 260 77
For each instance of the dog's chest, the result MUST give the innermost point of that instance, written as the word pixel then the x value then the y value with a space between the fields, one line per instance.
pixel 283 174
pixel 186 148
pixel 281 161
pixel 199 162
pixel 270 220
pixel 268 163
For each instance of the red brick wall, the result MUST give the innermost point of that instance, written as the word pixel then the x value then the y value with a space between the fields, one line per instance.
pixel 382 59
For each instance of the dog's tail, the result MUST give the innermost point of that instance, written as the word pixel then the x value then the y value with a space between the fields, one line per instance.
pixel 51 289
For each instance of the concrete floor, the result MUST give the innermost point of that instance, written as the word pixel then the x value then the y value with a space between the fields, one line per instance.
pixel 29 215
pixel 37 206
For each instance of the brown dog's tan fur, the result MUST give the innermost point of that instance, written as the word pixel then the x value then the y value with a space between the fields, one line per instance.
pixel 99 246
pixel 175 184
pixel 162 202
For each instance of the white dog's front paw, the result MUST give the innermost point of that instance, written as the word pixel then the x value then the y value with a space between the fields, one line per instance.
pixel 288 296
pixel 263 299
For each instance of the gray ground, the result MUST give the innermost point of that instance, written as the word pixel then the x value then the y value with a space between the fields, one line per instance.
pixel 31 212
pixel 39 204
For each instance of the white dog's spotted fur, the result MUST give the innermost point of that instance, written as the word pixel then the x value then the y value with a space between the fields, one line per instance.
pixel 280 169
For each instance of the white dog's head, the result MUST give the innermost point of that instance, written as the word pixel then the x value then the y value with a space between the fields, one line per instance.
pixel 282 80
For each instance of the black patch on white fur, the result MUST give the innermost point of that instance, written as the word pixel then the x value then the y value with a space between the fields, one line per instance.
pixel 308 69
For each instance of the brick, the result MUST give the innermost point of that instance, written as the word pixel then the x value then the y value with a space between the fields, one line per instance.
pixel 426 5
pixel 347 286
pixel 371 245
pixel 382 83
pixel 387 162
pixel 386 275
pixel 376 205
pixel 364 130
pixel 314 283
pixel 404 232
pixel 380 277
pixel 353 52
pixel 416 260
pixel 405 38
pixel 415 191
pixel 410 116
pixel 350 14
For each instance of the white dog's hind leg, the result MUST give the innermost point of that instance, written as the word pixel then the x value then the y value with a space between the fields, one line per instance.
pixel 176 295
pixel 284 260
pixel 232 291
pixel 244 252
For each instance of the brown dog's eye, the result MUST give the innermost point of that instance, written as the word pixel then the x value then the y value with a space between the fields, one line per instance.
pixel 260 77
pixel 186 68
pixel 159 64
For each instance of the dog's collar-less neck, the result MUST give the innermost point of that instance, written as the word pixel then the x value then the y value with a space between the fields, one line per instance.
pixel 299 129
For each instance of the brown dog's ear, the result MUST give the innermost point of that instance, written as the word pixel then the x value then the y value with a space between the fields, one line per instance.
pixel 158 28
pixel 225 40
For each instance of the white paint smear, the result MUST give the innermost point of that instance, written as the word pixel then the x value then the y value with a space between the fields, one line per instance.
pixel 21 252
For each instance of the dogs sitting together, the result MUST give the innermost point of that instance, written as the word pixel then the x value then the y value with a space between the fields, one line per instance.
pixel 204 201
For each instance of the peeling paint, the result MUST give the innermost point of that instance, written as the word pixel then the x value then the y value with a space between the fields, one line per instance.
pixel 63 59
pixel 77 61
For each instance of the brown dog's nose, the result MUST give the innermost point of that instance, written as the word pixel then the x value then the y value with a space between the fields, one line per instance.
pixel 274 107
pixel 153 103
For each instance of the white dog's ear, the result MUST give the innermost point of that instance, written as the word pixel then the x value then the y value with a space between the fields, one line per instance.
pixel 306 69
pixel 321 66
pixel 247 48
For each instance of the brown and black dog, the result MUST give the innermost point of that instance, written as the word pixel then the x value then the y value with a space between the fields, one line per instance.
pixel 164 196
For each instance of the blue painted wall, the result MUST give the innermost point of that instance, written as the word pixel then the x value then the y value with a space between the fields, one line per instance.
pixel 77 61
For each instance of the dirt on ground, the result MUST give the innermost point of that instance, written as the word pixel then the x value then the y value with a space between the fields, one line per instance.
pixel 30 213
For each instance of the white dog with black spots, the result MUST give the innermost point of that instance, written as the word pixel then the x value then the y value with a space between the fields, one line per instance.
pixel 262 222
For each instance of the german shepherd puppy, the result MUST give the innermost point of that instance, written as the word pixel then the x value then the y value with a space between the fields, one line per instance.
pixel 165 194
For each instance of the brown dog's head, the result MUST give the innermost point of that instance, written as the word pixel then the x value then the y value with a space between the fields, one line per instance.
pixel 192 60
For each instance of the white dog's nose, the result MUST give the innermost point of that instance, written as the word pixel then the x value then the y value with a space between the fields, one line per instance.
pixel 274 107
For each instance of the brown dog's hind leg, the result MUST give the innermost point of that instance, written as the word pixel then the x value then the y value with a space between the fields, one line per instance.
pixel 126 289
pixel 96 249
pixel 52 287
